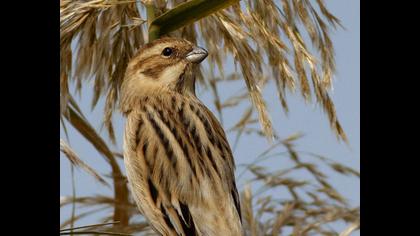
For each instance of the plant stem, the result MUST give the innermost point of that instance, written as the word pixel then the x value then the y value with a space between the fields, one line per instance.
pixel 151 12
pixel 185 14
pixel 95 233
pixel 120 187
pixel 73 205
pixel 89 226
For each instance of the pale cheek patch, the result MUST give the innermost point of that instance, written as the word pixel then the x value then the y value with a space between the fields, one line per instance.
pixel 172 73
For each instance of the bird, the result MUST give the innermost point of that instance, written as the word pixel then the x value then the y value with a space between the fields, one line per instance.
pixel 179 164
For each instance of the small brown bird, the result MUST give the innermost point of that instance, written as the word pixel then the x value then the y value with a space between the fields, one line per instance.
pixel 179 164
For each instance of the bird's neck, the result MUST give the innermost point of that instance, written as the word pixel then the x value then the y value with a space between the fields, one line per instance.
pixel 135 90
pixel 185 84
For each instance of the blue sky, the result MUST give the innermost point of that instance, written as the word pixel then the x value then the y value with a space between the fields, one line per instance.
pixel 305 118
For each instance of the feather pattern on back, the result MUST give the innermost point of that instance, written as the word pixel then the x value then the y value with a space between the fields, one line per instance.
pixel 182 167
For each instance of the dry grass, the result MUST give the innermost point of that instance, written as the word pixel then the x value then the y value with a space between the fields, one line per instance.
pixel 266 40
pixel 76 161
pixel 312 204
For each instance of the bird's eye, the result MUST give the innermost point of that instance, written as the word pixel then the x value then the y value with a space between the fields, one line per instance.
pixel 167 52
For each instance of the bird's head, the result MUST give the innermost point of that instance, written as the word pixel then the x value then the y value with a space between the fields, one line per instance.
pixel 167 63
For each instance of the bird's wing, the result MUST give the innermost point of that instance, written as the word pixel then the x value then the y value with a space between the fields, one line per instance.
pixel 181 168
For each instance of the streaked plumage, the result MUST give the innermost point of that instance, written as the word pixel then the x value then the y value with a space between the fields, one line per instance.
pixel 179 163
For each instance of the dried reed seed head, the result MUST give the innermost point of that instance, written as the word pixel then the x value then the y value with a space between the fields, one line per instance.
pixel 110 31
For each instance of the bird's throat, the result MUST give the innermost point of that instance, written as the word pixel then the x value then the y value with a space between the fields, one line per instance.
pixel 186 81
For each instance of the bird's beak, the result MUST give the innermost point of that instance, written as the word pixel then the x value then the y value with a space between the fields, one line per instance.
pixel 197 55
